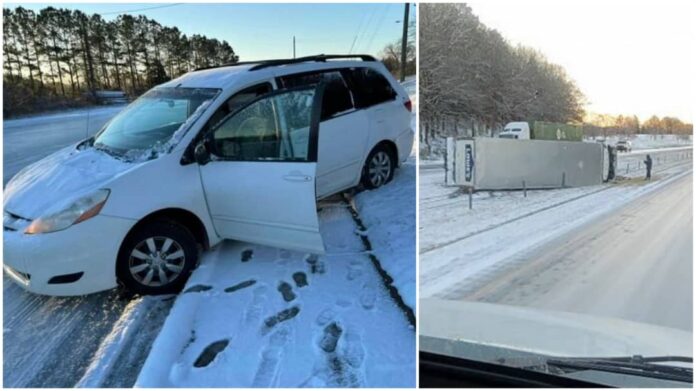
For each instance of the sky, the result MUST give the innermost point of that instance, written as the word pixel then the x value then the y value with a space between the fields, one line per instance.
pixel 628 57
pixel 264 31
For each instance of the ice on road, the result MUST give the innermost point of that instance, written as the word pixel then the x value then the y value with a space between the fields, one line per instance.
pixel 51 341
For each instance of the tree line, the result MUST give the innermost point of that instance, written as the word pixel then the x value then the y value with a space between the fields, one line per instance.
pixel 58 57
pixel 472 81
pixel 604 125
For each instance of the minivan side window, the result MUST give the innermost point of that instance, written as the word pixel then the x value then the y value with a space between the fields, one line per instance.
pixel 337 97
pixel 371 87
pixel 236 101
pixel 273 128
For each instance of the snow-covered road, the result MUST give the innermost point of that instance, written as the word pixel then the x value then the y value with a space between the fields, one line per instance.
pixel 466 253
pixel 635 264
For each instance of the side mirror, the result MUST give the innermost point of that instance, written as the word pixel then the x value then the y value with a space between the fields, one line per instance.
pixel 201 154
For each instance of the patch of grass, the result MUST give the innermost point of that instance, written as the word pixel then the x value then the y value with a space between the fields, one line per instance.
pixel 636 181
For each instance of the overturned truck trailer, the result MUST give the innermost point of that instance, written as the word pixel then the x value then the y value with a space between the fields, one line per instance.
pixel 506 164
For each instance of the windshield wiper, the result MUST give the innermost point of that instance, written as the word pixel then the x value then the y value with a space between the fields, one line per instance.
pixel 105 149
pixel 633 365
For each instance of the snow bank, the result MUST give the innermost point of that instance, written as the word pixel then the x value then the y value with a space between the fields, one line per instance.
pixel 389 214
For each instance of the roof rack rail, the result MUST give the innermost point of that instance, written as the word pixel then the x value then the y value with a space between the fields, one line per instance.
pixel 229 64
pixel 315 58
pixel 261 64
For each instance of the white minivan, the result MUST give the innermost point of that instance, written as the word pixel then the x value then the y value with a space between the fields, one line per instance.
pixel 235 152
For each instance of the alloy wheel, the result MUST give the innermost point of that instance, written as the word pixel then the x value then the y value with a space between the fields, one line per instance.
pixel 156 261
pixel 379 169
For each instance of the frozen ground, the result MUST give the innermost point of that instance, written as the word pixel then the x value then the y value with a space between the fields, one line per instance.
pixel 463 251
pixel 253 316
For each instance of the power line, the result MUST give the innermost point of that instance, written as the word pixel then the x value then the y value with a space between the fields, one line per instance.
pixel 357 32
pixel 378 27
pixel 365 28
pixel 140 9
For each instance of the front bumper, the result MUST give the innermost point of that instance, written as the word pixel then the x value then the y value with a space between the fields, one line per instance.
pixel 40 263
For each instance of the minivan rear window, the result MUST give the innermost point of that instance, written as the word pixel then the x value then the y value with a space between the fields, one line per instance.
pixel 337 97
pixel 371 87
pixel 153 119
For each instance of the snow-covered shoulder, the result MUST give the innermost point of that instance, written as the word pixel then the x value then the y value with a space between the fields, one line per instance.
pixel 255 316
pixel 389 214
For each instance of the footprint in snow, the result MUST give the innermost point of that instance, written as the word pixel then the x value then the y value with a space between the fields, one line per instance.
pixel 247 255
pixel 300 279
pixel 353 350
pixel 325 316
pixel 267 371
pixel 198 288
pixel 329 340
pixel 252 312
pixel 210 352
pixel 368 297
pixel 241 285
pixel 315 265
pixel 342 357
pixel 285 289
pixel 355 271
pixel 282 316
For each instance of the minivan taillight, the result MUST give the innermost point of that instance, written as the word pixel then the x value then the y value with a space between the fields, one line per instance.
pixel 407 105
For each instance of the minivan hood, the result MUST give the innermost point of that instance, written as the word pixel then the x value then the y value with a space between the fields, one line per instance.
pixel 444 324
pixel 53 182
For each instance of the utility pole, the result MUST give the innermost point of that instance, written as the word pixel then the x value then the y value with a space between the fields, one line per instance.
pixel 404 43
pixel 293 46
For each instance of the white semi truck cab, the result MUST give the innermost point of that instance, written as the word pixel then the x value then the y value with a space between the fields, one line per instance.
pixel 517 130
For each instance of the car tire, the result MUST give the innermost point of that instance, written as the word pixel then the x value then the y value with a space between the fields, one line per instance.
pixel 157 258
pixel 379 167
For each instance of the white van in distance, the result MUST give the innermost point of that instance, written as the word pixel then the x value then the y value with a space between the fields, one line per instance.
pixel 234 152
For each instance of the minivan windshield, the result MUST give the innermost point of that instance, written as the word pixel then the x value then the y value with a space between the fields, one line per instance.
pixel 154 121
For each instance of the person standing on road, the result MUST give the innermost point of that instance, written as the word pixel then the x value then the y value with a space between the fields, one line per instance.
pixel 648 166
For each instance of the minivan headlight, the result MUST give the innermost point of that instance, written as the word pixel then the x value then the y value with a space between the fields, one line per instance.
pixel 80 210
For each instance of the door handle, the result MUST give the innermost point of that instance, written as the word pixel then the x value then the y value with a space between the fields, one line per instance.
pixel 297 178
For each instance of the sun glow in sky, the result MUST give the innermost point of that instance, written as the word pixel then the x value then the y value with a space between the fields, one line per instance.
pixel 628 57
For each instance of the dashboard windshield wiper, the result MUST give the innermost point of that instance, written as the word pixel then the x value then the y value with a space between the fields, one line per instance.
pixel 633 365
